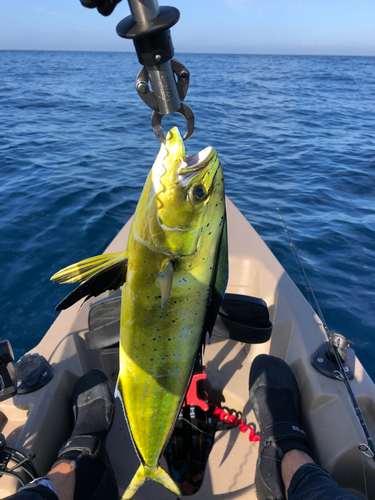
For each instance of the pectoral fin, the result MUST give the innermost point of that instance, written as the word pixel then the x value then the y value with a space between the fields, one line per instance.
pixel 164 282
pixel 101 273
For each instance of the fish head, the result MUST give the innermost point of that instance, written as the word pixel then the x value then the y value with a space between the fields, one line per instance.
pixel 187 193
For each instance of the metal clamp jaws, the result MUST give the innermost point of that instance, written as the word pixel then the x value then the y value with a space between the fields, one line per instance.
pixel 143 89
pixel 185 111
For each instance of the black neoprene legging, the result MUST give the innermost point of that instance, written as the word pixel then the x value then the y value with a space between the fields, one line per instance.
pixel 310 482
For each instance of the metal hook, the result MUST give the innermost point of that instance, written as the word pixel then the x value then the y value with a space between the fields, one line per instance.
pixel 338 375
pixel 185 111
pixel 364 448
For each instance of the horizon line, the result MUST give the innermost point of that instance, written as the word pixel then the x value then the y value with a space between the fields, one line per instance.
pixel 195 53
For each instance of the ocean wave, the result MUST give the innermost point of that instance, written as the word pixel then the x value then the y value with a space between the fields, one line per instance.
pixel 76 145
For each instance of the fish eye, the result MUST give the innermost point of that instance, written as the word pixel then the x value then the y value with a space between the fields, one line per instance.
pixel 197 193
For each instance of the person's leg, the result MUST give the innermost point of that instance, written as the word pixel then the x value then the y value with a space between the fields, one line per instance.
pixel 93 409
pixel 63 478
pixel 82 470
pixel 290 463
pixel 285 461
pixel 275 399
pixel 311 482
pixel 58 484
pixel 36 491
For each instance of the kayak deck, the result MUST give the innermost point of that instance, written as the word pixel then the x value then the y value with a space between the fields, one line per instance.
pixel 40 421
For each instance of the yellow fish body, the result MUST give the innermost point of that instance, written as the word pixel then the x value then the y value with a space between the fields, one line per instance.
pixel 174 273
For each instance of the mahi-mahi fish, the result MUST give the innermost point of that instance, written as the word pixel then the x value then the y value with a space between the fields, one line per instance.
pixel 173 276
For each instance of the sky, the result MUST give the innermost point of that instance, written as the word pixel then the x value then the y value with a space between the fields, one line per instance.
pixel 306 27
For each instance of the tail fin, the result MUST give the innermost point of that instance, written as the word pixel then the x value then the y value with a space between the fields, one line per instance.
pixel 165 479
pixel 157 474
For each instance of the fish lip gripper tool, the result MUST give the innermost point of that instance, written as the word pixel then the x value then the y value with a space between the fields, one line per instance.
pixel 149 28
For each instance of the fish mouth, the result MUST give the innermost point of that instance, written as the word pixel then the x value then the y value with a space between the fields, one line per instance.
pixel 194 164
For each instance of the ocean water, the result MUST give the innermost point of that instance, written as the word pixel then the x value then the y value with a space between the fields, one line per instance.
pixel 76 145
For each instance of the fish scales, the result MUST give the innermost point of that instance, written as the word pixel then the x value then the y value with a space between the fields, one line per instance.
pixel 174 273
pixel 159 345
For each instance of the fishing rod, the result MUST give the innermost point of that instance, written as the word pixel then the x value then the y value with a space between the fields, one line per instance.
pixel 339 343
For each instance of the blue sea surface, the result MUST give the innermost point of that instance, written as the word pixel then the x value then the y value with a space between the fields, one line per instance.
pixel 295 132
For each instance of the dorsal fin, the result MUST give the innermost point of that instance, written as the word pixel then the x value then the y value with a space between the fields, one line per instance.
pixel 220 281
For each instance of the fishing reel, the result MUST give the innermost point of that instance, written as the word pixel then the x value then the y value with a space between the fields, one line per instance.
pixel 189 447
pixel 8 456
pixel 12 462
